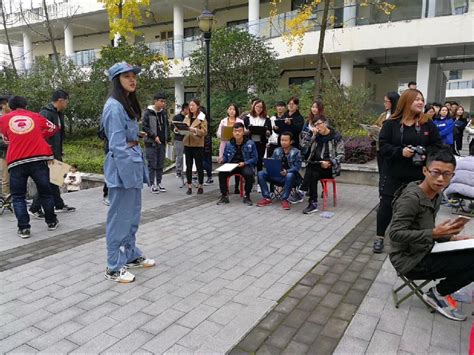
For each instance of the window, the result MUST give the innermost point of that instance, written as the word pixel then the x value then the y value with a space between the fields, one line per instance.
pixel 188 96
pixel 296 4
pixel 191 32
pixel 165 35
pixel 236 23
pixel 455 74
pixel 300 80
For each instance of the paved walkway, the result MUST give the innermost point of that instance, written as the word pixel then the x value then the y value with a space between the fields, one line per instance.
pixel 220 270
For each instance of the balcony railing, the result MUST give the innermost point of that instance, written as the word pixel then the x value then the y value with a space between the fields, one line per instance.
pixel 85 58
pixel 177 49
pixel 459 85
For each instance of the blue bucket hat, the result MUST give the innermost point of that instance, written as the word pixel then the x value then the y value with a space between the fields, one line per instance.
pixel 122 67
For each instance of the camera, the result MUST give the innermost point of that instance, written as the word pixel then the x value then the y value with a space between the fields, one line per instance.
pixel 419 158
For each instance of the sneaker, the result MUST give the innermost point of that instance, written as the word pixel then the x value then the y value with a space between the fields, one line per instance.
pixel 37 214
pixel 53 225
pixel 259 190
pixel 24 233
pixel 189 191
pixel 223 199
pixel 441 304
pixel 141 261
pixel 65 209
pixel 154 189
pixel 106 201
pixel 311 208
pixel 246 200
pixel 208 182
pixel 295 197
pixel 378 246
pixel 179 175
pixel 200 191
pixel 122 276
pixel 285 205
pixel 264 202
pixel 161 188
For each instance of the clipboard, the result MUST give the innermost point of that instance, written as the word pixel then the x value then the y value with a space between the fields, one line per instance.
pixel 227 167
pixel 447 247
pixel 273 166
pixel 257 132
pixel 182 127
pixel 227 133
pixel 282 126
pixel 57 171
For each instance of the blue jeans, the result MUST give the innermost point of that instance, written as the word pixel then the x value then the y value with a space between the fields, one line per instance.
pixel 288 182
pixel 19 175
pixel 123 219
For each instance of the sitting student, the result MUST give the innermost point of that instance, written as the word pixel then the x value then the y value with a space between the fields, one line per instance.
pixel 241 150
pixel 291 164
pixel 324 162
pixel 413 233
pixel 73 179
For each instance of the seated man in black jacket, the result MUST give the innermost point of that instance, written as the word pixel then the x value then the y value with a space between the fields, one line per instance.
pixel 413 234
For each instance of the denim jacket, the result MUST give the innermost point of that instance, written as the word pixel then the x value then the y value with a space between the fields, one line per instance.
pixel 294 158
pixel 249 151
pixel 124 165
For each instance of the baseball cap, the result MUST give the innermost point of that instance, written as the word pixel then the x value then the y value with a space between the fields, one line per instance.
pixel 122 67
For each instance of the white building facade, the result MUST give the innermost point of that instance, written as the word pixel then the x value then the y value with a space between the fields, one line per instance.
pixel 429 41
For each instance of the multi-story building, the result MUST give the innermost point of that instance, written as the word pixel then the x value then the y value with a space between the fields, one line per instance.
pixel 429 41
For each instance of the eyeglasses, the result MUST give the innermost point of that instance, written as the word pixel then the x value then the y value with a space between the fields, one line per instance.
pixel 436 174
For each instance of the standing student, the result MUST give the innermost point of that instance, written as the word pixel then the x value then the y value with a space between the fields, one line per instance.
pixel 27 157
pixel 402 139
pixel 4 109
pixel 54 112
pixel 274 139
pixel 258 117
pixel 194 144
pixel 125 174
pixel 445 125
pixel 178 139
pixel 156 126
pixel 460 123
pixel 294 120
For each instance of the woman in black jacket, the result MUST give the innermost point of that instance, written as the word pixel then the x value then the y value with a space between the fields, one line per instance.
pixel 403 140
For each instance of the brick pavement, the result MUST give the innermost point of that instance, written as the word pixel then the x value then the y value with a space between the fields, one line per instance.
pixel 216 278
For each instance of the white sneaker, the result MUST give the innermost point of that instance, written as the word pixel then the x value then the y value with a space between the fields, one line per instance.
pixel 140 262
pixel 122 276
pixel 154 189
pixel 259 190
pixel 106 201
pixel 161 188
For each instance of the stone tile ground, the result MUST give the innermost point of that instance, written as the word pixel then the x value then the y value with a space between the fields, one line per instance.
pixel 220 271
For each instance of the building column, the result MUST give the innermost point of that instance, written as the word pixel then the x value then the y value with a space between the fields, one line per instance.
pixel 27 51
pixel 423 70
pixel 178 30
pixel 347 69
pixel 178 93
pixel 68 40
pixel 350 13
pixel 431 8
pixel 254 16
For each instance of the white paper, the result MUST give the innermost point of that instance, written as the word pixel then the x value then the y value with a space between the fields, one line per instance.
pixel 454 245
pixel 226 168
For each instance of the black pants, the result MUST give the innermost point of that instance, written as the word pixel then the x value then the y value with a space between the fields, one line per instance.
pixel 457 269
pixel 195 154
pixel 105 190
pixel 313 174
pixel 261 147
pixel 246 172
pixel 58 201
pixel 384 214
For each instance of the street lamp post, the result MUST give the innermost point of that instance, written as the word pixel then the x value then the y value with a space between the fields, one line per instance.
pixel 205 22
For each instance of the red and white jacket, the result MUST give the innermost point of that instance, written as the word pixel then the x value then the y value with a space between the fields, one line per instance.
pixel 25 132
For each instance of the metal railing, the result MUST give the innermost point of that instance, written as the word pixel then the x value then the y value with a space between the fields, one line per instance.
pixel 85 58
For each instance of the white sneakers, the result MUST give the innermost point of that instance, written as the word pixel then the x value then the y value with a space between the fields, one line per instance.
pixel 123 275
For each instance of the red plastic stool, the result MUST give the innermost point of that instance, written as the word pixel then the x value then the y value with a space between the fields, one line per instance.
pixel 241 181
pixel 324 183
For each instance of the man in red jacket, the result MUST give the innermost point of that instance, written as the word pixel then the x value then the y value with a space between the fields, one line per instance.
pixel 27 156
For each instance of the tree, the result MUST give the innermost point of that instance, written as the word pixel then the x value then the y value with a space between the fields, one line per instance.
pixel 303 22
pixel 124 16
pixel 238 61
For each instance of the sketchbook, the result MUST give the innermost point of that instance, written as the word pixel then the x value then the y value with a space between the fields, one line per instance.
pixel 226 168
pixel 227 133
pixel 182 127
pixel 57 171
pixel 453 246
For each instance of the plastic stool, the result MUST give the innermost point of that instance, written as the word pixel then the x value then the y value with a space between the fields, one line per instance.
pixel 324 183
pixel 241 182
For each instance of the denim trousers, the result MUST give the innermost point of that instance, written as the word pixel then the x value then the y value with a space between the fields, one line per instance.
pixel 288 182
pixel 19 175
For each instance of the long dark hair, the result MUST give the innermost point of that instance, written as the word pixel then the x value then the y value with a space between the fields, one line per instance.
pixel 129 102
pixel 393 97
pixel 313 118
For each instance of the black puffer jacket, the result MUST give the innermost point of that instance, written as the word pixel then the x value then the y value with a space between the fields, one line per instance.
pixel 57 117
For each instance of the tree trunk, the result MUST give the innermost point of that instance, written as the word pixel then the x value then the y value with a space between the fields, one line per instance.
pixel 51 36
pixel 318 80
pixel 10 52
pixel 117 37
